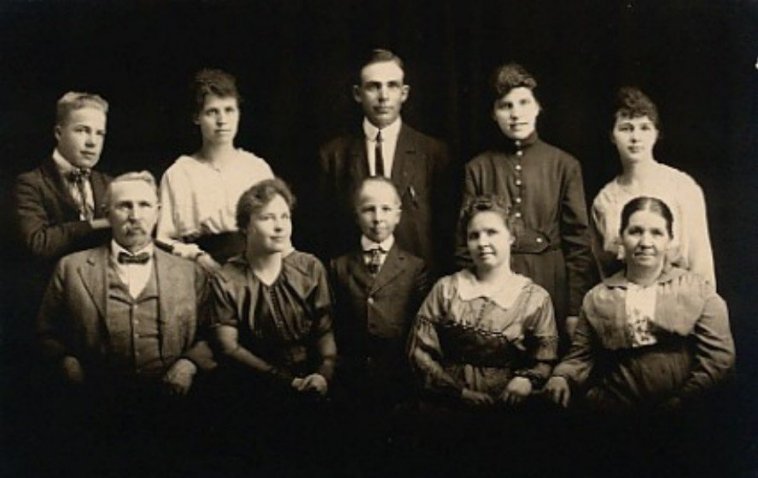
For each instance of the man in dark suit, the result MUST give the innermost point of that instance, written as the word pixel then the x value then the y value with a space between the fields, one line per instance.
pixel 58 206
pixel 417 164
pixel 57 210
pixel 126 315
pixel 378 287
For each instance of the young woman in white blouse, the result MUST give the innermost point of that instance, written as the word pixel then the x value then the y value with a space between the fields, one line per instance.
pixel 199 192
pixel 635 131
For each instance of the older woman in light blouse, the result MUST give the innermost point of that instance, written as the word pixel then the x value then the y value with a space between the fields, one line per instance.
pixel 199 192
pixel 650 337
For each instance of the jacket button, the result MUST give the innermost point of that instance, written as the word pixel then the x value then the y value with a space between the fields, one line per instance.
pixel 539 240
pixel 370 300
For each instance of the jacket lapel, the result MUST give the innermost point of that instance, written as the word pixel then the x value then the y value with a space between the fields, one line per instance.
pixel 393 265
pixel 404 163
pixel 358 270
pixel 99 185
pixel 164 272
pixel 54 181
pixel 94 275
pixel 358 159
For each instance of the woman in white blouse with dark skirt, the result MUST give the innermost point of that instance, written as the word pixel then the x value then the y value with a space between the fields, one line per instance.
pixel 199 192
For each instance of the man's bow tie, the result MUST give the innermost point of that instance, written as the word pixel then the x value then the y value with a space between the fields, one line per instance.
pixel 141 258
pixel 78 174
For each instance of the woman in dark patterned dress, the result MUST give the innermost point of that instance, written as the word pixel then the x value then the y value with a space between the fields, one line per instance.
pixel 271 310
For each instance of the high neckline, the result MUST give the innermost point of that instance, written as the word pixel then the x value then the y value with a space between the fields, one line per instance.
pixel 513 145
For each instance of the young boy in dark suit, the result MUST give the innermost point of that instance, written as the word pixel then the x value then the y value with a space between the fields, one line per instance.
pixel 378 289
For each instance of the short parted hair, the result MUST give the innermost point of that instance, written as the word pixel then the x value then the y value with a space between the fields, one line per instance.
pixel 143 176
pixel 484 203
pixel 258 196
pixel 213 82
pixel 509 76
pixel 76 100
pixel 647 203
pixel 377 55
pixel 374 179
pixel 631 102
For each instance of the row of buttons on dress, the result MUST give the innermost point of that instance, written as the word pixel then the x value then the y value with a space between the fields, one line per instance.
pixel 519 182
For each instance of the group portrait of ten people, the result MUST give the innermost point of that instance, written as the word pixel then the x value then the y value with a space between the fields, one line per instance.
pixel 279 317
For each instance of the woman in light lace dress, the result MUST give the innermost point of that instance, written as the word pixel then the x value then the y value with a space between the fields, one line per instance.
pixel 486 336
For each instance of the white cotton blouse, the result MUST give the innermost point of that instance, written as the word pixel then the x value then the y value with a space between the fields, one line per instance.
pixel 198 198
pixel 691 244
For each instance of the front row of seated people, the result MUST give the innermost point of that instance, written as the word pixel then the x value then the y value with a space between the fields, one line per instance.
pixel 129 315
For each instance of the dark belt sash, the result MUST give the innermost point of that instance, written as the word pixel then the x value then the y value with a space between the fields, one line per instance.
pixel 530 241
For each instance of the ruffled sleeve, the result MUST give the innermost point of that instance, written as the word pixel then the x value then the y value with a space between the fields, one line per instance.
pixel 540 328
pixel 424 348
pixel 308 277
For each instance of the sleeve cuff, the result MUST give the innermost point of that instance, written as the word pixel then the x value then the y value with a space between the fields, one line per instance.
pixel 280 375
pixel 326 369
pixel 186 366
pixel 536 379
pixel 187 251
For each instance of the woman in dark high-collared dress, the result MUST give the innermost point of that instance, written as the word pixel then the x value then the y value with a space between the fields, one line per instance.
pixel 544 188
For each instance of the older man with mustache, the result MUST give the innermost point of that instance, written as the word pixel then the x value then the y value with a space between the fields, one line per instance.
pixel 124 319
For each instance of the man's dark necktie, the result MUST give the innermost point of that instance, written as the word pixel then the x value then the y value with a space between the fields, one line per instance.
pixel 375 260
pixel 141 258
pixel 80 177
pixel 378 156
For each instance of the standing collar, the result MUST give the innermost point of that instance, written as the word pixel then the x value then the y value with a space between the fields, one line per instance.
pixel 512 146
pixel 61 163
pixel 367 244
pixel 390 132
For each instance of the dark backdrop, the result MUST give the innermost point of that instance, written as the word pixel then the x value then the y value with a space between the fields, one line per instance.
pixel 696 59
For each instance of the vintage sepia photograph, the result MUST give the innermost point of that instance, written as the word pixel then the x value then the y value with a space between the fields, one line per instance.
pixel 379 238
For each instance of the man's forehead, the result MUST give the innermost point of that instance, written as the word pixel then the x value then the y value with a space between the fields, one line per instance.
pixel 382 71
pixel 133 189
pixel 87 114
